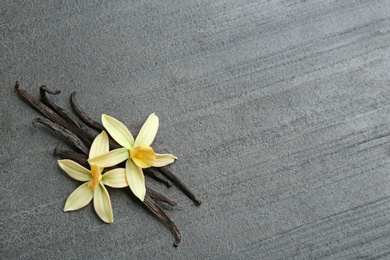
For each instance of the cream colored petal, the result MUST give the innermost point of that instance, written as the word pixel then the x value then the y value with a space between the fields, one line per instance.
pixel 115 178
pixel 111 158
pixel 118 131
pixel 136 180
pixel 75 170
pixel 163 159
pixel 148 131
pixel 100 145
pixel 79 198
pixel 102 204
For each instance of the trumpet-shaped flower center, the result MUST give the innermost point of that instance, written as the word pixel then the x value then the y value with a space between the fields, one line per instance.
pixel 143 156
pixel 96 173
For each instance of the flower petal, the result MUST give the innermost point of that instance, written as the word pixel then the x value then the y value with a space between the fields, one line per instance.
pixel 102 204
pixel 75 170
pixel 118 131
pixel 115 178
pixel 99 146
pixel 143 156
pixel 148 131
pixel 79 198
pixel 111 158
pixel 136 180
pixel 163 159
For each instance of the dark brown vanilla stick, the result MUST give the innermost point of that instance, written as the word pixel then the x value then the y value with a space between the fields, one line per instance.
pixel 160 214
pixel 169 175
pixel 82 132
pixel 159 197
pixel 153 174
pixel 38 105
pixel 48 112
pixel 64 132
pixel 87 119
pixel 77 157
pixel 62 112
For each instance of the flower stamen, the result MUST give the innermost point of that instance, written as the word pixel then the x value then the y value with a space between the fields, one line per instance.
pixel 143 156
pixel 96 173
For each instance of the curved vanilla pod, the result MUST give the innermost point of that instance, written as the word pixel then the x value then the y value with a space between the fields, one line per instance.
pixel 86 134
pixel 50 113
pixel 80 112
pixel 74 139
pixel 160 214
pixel 80 158
pixel 169 175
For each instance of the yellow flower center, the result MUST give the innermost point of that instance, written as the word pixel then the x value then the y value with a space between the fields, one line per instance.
pixel 143 156
pixel 96 173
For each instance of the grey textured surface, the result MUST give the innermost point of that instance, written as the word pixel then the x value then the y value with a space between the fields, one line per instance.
pixel 279 112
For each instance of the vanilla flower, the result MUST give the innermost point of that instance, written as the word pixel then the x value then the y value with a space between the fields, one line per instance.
pixel 138 154
pixel 94 181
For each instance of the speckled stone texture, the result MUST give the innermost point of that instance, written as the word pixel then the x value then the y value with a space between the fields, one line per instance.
pixel 279 113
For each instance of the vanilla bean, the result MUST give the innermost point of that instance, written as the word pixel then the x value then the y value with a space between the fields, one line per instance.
pixel 153 174
pixel 47 112
pixel 64 132
pixel 82 132
pixel 80 112
pixel 169 175
pixel 89 120
pixel 159 197
pixel 71 155
pixel 44 89
pixel 37 104
pixel 62 112
pixel 160 214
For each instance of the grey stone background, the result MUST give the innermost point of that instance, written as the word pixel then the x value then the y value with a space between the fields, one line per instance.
pixel 279 112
